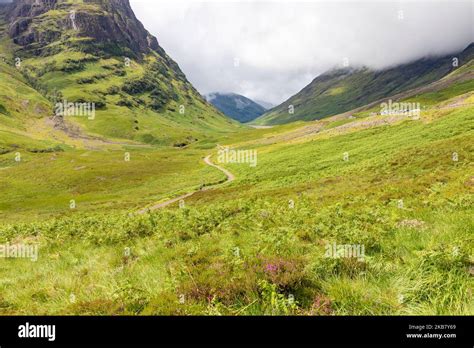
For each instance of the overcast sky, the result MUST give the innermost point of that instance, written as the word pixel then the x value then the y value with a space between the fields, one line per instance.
pixel 270 50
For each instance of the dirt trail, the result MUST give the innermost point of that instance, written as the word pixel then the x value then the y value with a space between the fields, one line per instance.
pixel 207 160
pixel 230 176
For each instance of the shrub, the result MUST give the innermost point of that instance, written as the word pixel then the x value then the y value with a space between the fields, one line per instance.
pixel 138 86
pixel 73 66
pixel 112 90
pixel 3 110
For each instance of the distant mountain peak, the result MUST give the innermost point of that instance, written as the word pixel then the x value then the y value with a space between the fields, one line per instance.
pixel 235 106
pixel 265 104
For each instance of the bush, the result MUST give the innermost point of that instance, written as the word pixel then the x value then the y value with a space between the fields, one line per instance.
pixel 73 66
pixel 3 110
pixel 57 148
pixel 85 80
pixel 112 90
pixel 4 151
pixel 138 86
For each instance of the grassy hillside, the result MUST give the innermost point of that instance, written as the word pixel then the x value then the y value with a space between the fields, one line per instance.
pixel 139 92
pixel 245 249
pixel 342 90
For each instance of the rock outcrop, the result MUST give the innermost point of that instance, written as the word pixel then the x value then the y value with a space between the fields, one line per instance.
pixel 107 22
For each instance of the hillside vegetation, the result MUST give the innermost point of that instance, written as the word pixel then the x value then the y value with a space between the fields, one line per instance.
pixel 345 89
pixel 64 53
pixel 79 188
pixel 257 245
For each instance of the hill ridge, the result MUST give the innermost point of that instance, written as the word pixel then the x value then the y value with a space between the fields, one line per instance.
pixel 343 89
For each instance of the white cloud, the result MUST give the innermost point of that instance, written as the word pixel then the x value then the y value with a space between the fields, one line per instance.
pixel 281 46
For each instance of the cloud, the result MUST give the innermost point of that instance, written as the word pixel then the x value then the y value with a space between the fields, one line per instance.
pixel 270 50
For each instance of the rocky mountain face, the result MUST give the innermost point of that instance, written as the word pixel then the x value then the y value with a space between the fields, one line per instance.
pixel 345 89
pixel 107 22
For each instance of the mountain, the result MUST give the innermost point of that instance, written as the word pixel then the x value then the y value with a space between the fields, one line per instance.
pixel 97 52
pixel 265 104
pixel 236 106
pixel 342 90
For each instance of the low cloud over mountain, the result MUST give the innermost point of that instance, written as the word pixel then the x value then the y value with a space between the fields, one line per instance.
pixel 270 50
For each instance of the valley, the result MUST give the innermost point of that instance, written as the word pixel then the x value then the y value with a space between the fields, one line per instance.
pixel 134 212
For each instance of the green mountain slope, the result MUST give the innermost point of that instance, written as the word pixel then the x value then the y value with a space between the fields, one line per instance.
pixel 342 90
pixel 236 106
pixel 98 53
pixel 20 104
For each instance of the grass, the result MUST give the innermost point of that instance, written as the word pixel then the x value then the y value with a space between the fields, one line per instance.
pixel 255 246
pixel 242 250
pixel 96 180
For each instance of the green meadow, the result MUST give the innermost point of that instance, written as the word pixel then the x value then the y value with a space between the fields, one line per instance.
pixel 256 245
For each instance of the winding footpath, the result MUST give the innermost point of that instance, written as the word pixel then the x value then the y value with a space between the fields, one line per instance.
pixel 207 160
pixel 230 176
